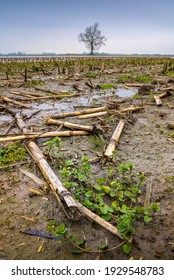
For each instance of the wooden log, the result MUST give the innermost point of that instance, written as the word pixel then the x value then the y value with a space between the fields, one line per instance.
pixel 95 115
pixel 53 181
pixel 76 113
pixel 6 99
pixel 114 139
pixel 66 133
pixel 70 125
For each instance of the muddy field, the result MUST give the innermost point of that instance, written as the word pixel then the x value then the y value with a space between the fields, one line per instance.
pixel 147 141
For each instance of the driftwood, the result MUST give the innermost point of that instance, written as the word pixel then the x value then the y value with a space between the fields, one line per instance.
pixel 158 97
pixel 71 125
pixel 76 113
pixel 66 133
pixel 6 99
pixel 114 139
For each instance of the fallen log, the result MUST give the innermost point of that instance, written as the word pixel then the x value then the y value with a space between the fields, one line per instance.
pixel 114 139
pixel 66 133
pixel 6 99
pixel 71 125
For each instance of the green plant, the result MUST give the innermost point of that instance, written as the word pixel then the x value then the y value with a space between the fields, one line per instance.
pixel 107 86
pixel 12 153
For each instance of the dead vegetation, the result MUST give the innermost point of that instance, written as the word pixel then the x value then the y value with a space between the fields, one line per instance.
pixel 39 101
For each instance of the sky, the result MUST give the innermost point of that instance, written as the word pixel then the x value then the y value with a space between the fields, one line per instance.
pixel 130 26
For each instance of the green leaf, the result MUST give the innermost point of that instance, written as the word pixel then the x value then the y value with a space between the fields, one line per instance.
pixel 97 187
pixel 127 193
pixel 104 209
pixel 69 163
pixel 106 189
pixel 133 199
pixel 80 242
pixel 127 248
pixel 147 219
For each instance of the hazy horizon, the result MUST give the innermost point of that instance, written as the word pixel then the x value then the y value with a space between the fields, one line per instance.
pixel 145 27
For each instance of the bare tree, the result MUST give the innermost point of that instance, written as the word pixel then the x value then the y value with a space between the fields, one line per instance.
pixel 92 38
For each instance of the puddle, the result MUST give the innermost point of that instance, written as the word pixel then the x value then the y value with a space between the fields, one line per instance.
pixel 123 92
pixel 69 104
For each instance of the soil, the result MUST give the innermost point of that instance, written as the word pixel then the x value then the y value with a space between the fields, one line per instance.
pixel 144 142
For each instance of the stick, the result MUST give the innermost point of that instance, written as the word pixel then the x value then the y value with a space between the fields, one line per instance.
pixel 55 184
pixel 158 97
pixel 70 125
pixel 20 123
pixel 76 113
pixel 148 194
pixel 157 100
pixel 95 115
pixel 99 220
pixel 49 91
pixel 43 135
pixel 131 109
pixel 133 85
pixel 6 99
pixel 114 139
pixel 33 177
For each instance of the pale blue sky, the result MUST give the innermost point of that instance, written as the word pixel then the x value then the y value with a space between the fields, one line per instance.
pixel 131 26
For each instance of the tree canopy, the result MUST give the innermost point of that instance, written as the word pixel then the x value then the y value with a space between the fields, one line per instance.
pixel 92 38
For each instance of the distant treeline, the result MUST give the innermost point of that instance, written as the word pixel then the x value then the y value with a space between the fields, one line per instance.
pixel 19 54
